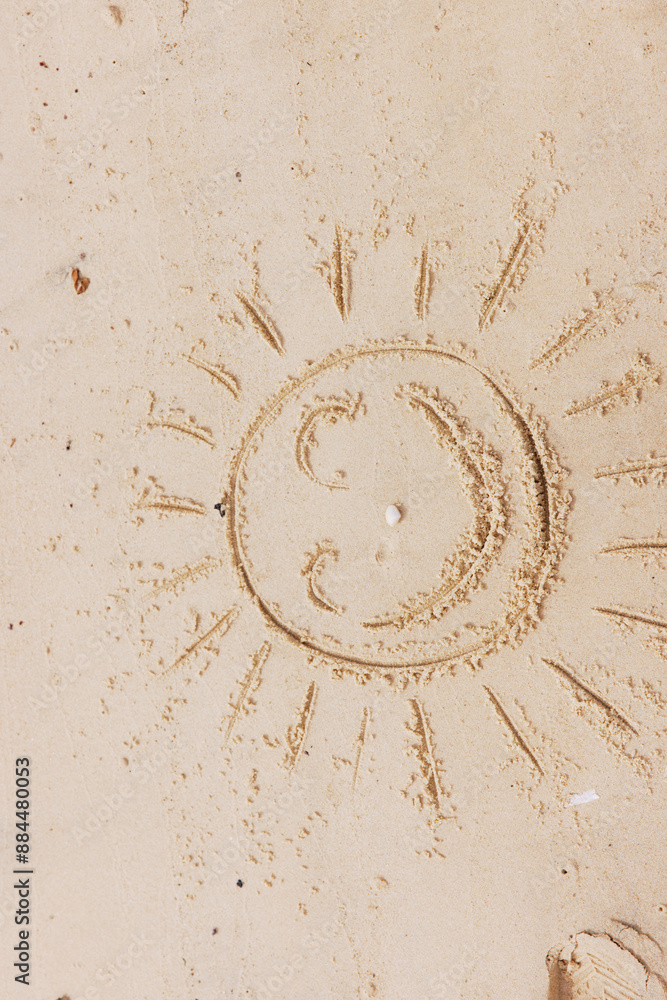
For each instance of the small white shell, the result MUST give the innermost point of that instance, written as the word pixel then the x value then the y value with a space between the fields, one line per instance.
pixel 582 798
pixel 392 515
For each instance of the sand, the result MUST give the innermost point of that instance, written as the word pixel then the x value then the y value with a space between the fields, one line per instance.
pixel 335 607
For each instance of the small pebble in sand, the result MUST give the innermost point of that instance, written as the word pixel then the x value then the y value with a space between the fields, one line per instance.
pixel 392 515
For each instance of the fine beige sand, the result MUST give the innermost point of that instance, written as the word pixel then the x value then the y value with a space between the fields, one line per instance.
pixel 334 528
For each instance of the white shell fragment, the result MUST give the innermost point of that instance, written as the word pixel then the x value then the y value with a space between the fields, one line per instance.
pixel 392 515
pixel 583 798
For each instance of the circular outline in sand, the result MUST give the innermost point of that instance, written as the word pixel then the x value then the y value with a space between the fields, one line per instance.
pixel 545 500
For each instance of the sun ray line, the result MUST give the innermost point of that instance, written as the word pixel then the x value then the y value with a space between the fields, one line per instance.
pixel 428 763
pixel 628 546
pixel 340 273
pixel 634 616
pixel 259 319
pixel 296 735
pixel 423 283
pixel 217 373
pixel 361 740
pixel 641 375
pixel 200 433
pixel 650 464
pixel 172 505
pixel 220 627
pixel 603 702
pixel 518 737
pixel 608 312
pixel 182 575
pixel 505 281
pixel 249 684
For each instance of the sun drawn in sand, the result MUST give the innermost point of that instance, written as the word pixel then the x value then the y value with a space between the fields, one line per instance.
pixel 478 562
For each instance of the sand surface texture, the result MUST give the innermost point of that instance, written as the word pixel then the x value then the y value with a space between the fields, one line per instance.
pixel 334 451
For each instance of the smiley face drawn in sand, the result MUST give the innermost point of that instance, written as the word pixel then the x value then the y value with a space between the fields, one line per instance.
pixel 430 431
pixel 472 560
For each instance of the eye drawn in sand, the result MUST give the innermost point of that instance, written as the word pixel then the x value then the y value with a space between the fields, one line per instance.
pixel 328 411
pixel 313 569
pixel 495 554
